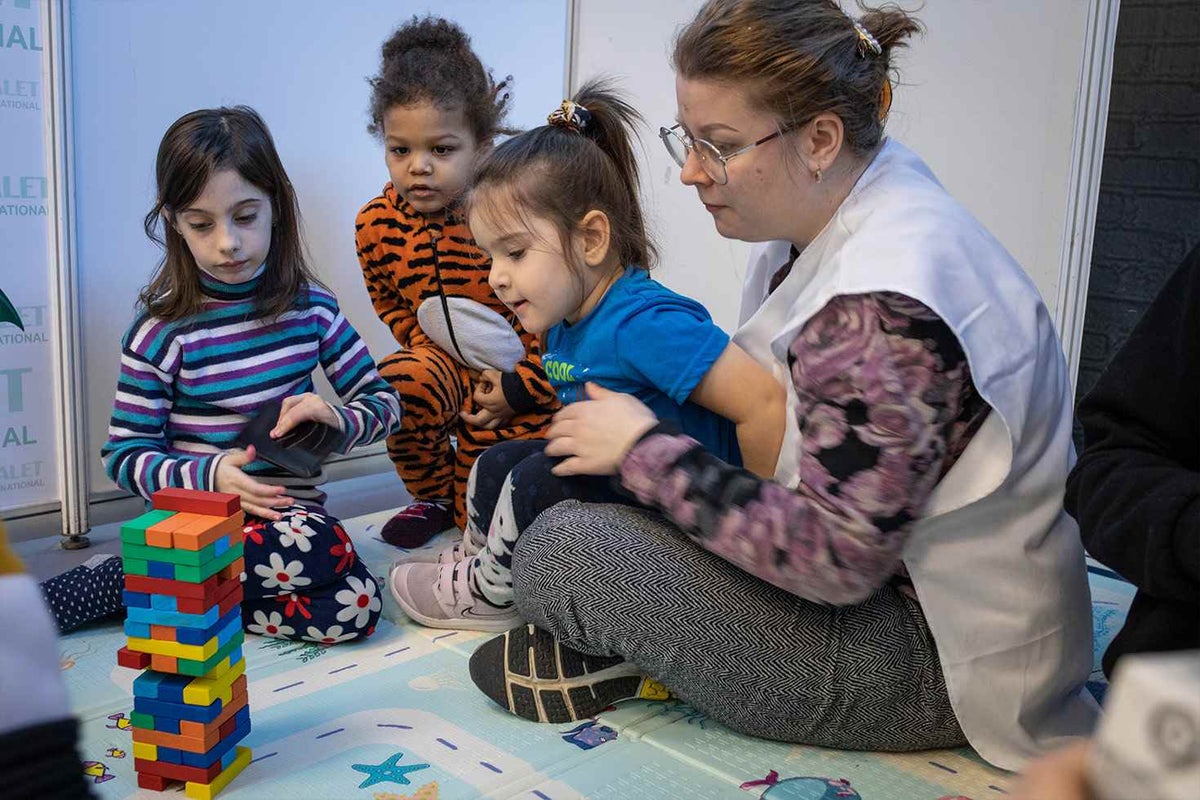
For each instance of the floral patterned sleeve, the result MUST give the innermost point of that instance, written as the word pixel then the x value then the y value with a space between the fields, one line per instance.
pixel 886 404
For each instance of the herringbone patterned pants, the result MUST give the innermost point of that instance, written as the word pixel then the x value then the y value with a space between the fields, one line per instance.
pixel 610 579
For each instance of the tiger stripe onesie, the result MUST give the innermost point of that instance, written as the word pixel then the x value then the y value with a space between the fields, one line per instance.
pixel 428 282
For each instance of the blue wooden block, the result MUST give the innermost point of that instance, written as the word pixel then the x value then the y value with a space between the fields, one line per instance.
pixel 170 755
pixel 137 630
pixel 199 636
pixel 166 724
pixel 223 749
pixel 164 602
pixel 149 684
pixel 159 710
pixel 175 619
pixel 161 569
pixel 221 545
pixel 135 599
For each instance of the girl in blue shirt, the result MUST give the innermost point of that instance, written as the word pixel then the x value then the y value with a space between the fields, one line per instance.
pixel 557 209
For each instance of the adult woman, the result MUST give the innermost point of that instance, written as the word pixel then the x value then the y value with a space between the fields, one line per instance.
pixel 909 578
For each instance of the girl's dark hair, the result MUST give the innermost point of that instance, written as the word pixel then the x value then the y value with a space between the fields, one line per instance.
pixel 800 58
pixel 430 59
pixel 559 175
pixel 197 145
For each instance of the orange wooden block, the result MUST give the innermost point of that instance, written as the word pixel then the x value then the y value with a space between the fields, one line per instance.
pixel 163 633
pixel 217 504
pixel 133 659
pixel 175 741
pixel 157 537
pixel 203 531
pixel 234 570
pixel 160 663
pixel 207 730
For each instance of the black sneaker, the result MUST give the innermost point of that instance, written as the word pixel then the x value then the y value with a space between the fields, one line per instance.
pixel 528 672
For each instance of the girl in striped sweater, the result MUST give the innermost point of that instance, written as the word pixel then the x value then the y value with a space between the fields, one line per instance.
pixel 233 318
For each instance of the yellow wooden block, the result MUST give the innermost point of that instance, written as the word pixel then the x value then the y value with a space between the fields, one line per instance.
pixel 190 652
pixel 146 751
pixel 205 691
pixel 207 791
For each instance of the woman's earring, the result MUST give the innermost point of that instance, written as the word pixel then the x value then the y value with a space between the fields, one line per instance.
pixel 817 174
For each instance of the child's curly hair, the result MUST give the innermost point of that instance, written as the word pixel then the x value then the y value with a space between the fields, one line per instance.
pixel 430 59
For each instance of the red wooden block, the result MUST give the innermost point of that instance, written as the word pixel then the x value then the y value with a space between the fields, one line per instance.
pixel 234 570
pixel 178 772
pixel 231 587
pixel 217 504
pixel 133 659
pixel 155 783
pixel 209 589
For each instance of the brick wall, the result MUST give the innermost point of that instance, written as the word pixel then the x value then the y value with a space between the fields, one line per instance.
pixel 1149 208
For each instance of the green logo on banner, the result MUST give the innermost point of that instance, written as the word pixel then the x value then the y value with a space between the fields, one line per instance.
pixel 8 312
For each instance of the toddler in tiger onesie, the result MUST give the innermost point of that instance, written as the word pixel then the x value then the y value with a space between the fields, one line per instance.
pixel 466 368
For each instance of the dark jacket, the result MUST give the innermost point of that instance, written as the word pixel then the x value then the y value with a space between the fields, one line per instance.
pixel 1136 488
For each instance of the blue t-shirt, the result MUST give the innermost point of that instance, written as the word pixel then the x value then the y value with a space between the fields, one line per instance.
pixel 645 340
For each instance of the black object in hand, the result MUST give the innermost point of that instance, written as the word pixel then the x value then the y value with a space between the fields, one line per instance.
pixel 300 451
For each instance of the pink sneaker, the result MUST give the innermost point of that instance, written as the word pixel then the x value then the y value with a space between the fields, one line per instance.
pixel 416 524
pixel 442 596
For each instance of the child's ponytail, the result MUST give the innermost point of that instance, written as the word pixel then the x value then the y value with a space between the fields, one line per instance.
pixel 582 160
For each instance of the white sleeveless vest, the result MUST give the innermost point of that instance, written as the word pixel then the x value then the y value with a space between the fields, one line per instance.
pixel 997 563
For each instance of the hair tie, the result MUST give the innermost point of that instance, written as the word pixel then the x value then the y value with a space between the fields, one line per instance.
pixel 866 41
pixel 570 115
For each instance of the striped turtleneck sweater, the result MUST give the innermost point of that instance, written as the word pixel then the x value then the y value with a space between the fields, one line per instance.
pixel 187 387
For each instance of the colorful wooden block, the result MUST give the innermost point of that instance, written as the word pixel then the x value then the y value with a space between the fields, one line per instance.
pixel 205 690
pixel 163 602
pixel 190 652
pixel 220 753
pixel 147 751
pixel 132 659
pixel 173 555
pixel 193 737
pixel 185 711
pixel 164 663
pixel 151 616
pixel 203 531
pixel 206 667
pixel 203 590
pixel 184 572
pixel 135 599
pixel 164 633
pixel 145 722
pixel 134 566
pixel 199 791
pixel 237 709
pixel 177 772
pixel 136 629
pixel 234 570
pixel 230 594
pixel 154 783
pixel 134 531
pixel 185 635
pixel 216 504
pixel 157 569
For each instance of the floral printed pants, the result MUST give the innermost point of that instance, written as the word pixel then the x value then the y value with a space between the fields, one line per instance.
pixel 304 580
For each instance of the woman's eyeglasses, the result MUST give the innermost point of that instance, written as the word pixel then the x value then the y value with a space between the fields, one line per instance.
pixel 679 144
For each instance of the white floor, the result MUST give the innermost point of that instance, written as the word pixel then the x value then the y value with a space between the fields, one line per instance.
pixel 38 545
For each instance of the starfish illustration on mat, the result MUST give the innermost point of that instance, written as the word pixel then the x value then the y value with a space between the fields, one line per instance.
pixel 389 771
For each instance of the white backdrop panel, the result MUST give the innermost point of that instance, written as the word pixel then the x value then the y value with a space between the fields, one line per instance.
pixel 988 98
pixel 140 64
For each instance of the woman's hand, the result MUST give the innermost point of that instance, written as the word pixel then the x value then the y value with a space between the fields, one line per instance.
pixel 594 435
pixel 493 408
pixel 303 408
pixel 258 498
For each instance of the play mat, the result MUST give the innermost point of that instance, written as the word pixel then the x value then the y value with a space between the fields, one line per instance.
pixel 397 717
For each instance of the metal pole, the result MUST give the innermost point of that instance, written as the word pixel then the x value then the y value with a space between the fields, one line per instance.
pixel 72 432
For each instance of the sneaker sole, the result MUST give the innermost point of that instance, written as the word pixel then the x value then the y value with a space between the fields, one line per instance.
pixel 527 672
pixel 484 624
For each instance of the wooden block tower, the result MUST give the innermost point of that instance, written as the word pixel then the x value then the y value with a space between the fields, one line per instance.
pixel 183 593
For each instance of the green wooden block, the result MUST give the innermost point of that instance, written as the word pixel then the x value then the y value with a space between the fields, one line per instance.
pixel 190 574
pixel 171 555
pixel 134 531
pixel 139 720
pixel 135 566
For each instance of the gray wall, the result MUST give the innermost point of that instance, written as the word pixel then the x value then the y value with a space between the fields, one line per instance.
pixel 1149 210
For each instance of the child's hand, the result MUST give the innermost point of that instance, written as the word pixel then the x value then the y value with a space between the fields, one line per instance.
pixel 258 498
pixel 594 435
pixel 493 408
pixel 303 408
